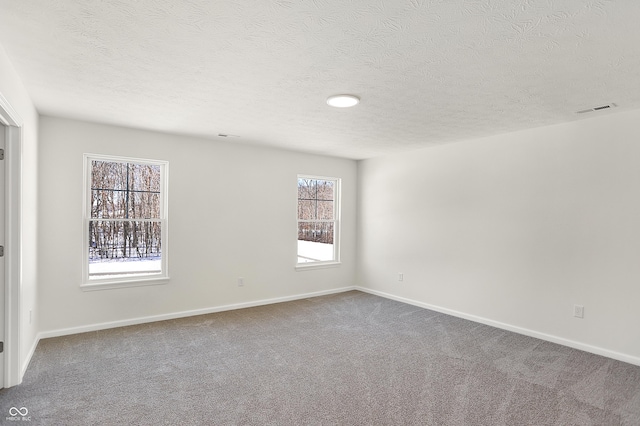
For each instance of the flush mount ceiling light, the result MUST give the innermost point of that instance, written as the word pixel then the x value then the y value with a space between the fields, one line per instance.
pixel 343 101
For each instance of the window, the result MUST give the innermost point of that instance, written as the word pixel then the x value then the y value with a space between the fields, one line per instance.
pixel 318 220
pixel 125 222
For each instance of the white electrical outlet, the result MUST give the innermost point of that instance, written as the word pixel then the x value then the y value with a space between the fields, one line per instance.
pixel 578 311
pixel 400 276
pixel 241 282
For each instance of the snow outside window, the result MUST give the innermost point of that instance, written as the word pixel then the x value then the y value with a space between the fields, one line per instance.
pixel 318 220
pixel 125 222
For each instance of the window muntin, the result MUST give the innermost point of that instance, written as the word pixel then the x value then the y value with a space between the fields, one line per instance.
pixel 125 220
pixel 318 224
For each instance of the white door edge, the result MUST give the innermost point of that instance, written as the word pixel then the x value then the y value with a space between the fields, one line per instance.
pixel 13 237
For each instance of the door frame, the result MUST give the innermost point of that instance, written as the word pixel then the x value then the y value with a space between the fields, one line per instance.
pixel 13 238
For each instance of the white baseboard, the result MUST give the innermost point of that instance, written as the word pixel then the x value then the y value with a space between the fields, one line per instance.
pixel 27 359
pixel 183 314
pixel 142 320
pixel 525 331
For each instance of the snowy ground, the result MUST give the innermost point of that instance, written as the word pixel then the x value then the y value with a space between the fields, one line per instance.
pixel 124 266
pixel 313 252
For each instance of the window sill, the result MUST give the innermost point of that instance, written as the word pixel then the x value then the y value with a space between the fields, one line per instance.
pixel 115 283
pixel 316 265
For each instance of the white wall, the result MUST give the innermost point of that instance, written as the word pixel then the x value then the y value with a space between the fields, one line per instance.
pixel 12 89
pixel 515 229
pixel 232 213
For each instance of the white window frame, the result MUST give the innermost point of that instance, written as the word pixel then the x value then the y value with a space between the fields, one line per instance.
pixel 336 224
pixel 142 279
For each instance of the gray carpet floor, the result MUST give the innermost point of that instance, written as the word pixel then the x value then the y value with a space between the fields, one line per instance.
pixel 344 359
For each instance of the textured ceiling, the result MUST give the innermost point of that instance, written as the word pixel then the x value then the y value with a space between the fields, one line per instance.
pixel 428 71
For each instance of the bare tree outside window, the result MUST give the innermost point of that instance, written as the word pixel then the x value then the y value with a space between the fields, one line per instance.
pixel 317 219
pixel 125 219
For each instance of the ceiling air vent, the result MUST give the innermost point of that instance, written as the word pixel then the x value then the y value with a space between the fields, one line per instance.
pixel 598 108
